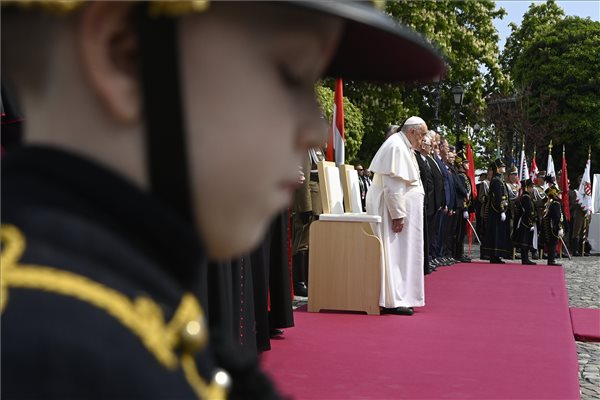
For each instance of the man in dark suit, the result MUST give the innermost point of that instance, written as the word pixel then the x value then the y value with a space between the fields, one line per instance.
pixel 439 198
pixel 447 155
pixel 441 222
pixel 429 201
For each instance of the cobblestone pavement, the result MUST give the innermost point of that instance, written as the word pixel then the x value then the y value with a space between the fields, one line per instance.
pixel 583 281
pixel 582 275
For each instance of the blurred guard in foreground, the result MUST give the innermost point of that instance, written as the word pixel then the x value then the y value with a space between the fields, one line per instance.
pixel 112 208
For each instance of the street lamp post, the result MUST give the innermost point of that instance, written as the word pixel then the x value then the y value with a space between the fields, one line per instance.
pixel 457 95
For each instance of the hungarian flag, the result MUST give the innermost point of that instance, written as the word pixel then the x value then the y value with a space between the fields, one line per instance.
pixel 584 193
pixel 335 143
pixel 533 173
pixel 564 186
pixel 471 172
pixel 471 175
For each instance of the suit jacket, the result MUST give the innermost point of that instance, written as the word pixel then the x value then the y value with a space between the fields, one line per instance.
pixel 452 187
pixel 438 183
pixel 427 180
pixel 448 195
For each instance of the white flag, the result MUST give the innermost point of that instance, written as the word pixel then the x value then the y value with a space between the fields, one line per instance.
pixel 584 193
pixel 550 169
pixel 523 170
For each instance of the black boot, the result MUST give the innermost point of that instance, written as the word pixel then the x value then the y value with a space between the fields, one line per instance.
pixel 298 274
pixel 525 258
pixel 576 247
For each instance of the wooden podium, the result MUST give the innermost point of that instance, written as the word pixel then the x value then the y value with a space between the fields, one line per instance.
pixel 345 257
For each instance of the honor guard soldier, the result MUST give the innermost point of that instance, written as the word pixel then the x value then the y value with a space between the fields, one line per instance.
pixel 512 187
pixel 483 188
pixel 539 200
pixel 463 204
pixel 525 219
pixel 111 208
pixel 496 243
pixel 553 223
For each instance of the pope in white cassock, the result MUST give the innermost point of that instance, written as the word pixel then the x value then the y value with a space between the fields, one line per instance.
pixel 397 195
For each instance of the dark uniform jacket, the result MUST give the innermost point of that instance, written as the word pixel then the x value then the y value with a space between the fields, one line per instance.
pixel 553 221
pixel 525 218
pixel 496 242
pixel 463 190
pixel 103 290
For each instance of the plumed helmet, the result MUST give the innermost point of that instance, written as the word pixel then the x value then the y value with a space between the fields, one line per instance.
pixel 553 192
pixel 458 160
pixel 496 164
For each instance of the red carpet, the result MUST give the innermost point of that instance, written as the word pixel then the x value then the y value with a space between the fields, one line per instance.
pixel 586 324
pixel 487 332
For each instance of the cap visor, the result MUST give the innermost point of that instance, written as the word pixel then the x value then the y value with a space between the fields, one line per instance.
pixel 374 47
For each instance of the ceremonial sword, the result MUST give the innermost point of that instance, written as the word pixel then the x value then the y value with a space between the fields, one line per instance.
pixel 473 229
pixel 567 250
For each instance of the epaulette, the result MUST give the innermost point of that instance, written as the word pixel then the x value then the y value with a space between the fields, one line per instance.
pixel 172 343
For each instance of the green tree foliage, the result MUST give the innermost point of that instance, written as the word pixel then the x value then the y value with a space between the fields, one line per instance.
pixel 354 128
pixel 465 33
pixel 558 74
pixel 537 19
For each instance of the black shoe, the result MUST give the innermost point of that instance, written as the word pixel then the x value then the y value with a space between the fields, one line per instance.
pixel 535 257
pixel 398 311
pixel 554 263
pixel 464 260
pixel 528 262
pixel 496 260
pixel 577 254
pixel 434 262
pixel 485 257
pixel 300 289
pixel 275 332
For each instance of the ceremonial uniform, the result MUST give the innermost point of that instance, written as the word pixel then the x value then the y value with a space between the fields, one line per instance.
pixel 553 224
pixel 496 242
pixel 97 286
pixel 464 195
pixel 524 226
pixel 539 200
pixel 483 188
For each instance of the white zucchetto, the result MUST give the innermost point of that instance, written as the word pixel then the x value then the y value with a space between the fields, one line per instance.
pixel 414 121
